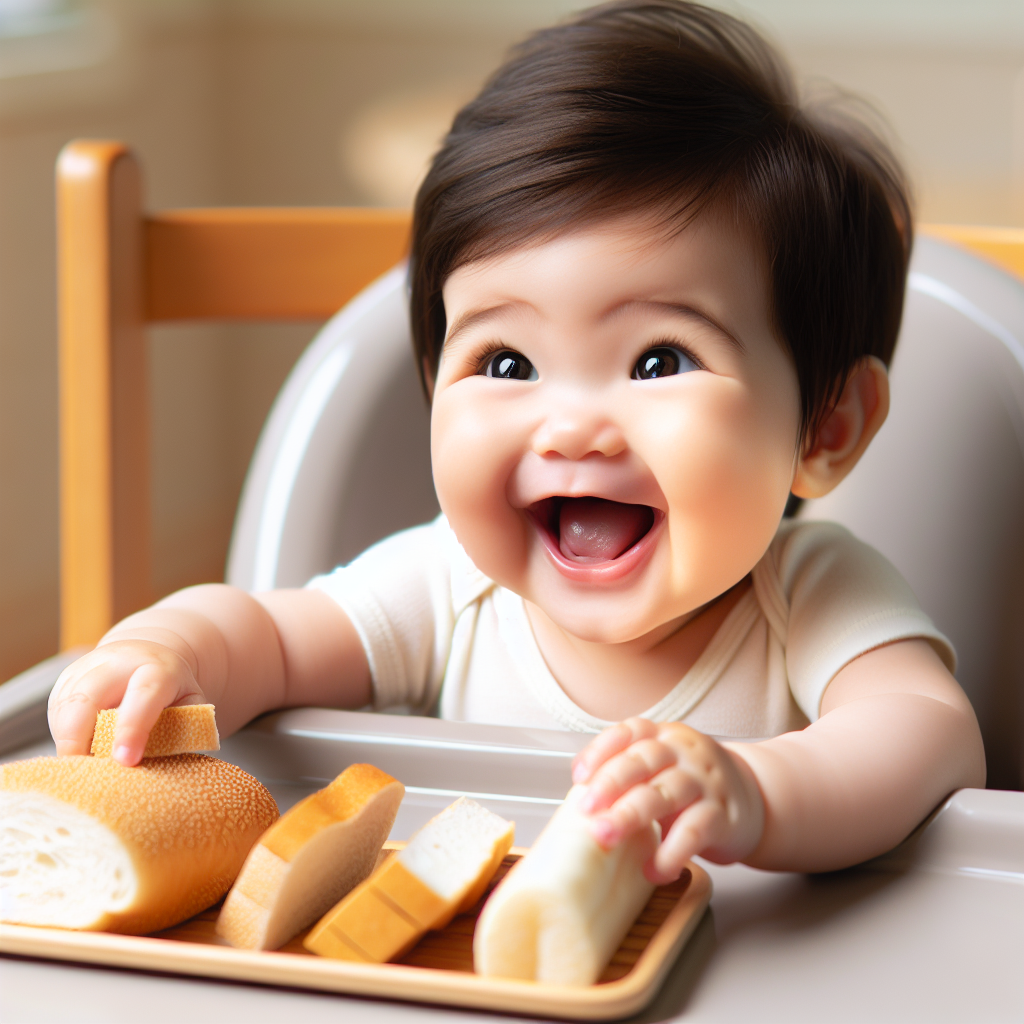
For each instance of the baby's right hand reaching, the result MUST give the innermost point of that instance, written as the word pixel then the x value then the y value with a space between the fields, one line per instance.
pixel 139 676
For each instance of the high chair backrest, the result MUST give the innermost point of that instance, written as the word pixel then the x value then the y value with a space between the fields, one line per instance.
pixel 121 269
pixel 344 457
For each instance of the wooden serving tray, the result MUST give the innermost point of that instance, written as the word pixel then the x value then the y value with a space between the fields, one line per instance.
pixel 439 969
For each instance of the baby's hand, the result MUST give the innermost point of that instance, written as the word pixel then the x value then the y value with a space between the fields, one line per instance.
pixel 140 677
pixel 705 797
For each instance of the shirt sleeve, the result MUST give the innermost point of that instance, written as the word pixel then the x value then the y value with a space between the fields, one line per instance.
pixel 845 599
pixel 398 596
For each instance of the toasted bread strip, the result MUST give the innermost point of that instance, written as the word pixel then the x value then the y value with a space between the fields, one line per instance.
pixel 92 845
pixel 564 908
pixel 442 871
pixel 310 858
pixel 183 730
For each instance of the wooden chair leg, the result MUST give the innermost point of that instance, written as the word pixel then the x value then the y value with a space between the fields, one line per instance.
pixel 104 391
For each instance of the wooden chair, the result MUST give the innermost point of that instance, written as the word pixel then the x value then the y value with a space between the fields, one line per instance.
pixel 121 269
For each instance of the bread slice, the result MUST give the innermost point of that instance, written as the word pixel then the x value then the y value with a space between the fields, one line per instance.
pixel 442 871
pixel 310 858
pixel 89 844
pixel 183 730
pixel 563 910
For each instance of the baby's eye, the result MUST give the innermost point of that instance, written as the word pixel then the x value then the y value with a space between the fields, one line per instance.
pixel 662 362
pixel 511 366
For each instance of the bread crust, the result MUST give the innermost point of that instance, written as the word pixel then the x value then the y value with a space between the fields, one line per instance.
pixel 180 730
pixel 340 801
pixel 187 823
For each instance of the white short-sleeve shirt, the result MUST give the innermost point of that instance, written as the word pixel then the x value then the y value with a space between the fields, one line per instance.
pixel 442 637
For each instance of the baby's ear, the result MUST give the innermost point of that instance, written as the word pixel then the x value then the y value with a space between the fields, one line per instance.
pixel 847 430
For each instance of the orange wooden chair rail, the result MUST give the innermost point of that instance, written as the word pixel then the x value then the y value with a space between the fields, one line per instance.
pixel 121 269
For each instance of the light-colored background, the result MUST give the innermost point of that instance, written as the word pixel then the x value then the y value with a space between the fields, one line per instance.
pixel 338 102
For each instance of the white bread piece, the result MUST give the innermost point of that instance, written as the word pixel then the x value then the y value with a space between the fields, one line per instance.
pixel 89 844
pixel 564 909
pixel 310 858
pixel 442 871
pixel 183 730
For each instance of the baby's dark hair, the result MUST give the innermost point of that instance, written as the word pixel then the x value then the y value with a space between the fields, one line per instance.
pixel 669 107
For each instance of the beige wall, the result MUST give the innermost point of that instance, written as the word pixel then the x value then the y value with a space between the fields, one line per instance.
pixel 262 102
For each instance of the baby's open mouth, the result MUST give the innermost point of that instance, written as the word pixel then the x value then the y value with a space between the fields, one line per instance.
pixel 589 530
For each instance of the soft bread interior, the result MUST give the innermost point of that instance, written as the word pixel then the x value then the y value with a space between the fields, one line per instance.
pixel 343 855
pixel 183 730
pixel 58 866
pixel 274 898
pixel 562 911
pixel 454 850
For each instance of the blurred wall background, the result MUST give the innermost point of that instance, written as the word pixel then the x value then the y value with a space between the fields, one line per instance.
pixel 315 102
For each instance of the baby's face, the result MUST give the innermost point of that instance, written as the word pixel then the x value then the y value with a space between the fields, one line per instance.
pixel 614 425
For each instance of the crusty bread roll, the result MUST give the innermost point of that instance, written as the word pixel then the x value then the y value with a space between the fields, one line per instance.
pixel 562 911
pixel 310 858
pixel 184 730
pixel 442 871
pixel 90 844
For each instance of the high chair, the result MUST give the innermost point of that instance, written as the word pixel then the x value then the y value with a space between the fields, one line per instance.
pixel 932 930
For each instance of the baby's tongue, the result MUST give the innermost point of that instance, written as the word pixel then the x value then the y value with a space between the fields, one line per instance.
pixel 596 530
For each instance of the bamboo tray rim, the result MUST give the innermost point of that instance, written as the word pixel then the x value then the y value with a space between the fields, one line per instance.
pixel 604 1001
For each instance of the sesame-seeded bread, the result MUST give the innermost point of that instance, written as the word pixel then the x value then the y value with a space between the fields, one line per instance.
pixel 310 858
pixel 442 871
pixel 182 730
pixel 564 908
pixel 90 844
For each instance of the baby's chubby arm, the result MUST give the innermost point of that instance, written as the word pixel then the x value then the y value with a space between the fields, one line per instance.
pixel 211 644
pixel 896 735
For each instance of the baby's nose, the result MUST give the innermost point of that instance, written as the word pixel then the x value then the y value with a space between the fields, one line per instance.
pixel 575 434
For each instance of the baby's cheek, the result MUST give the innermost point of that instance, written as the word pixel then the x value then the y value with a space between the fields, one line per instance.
pixel 726 486
pixel 473 458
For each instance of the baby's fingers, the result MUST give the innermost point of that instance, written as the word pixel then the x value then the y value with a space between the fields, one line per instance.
pixel 609 743
pixel 662 797
pixel 701 825
pixel 638 763
pixel 151 688
pixel 80 694
pixel 72 721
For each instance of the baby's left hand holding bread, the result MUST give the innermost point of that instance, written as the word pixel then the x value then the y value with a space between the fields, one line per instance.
pixel 140 675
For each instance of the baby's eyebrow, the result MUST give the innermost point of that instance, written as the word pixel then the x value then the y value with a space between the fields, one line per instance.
pixel 474 317
pixel 685 310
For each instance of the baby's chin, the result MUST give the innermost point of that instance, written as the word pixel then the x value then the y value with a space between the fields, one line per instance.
pixel 600 620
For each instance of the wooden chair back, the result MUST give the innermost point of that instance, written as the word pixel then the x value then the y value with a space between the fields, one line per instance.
pixel 121 269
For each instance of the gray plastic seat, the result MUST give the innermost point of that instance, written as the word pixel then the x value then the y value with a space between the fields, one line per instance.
pixel 940 492
pixel 344 460
pixel 344 457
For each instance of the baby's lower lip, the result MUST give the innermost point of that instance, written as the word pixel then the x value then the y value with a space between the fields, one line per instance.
pixel 545 517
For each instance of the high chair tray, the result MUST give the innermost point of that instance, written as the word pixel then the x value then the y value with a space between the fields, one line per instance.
pixel 438 970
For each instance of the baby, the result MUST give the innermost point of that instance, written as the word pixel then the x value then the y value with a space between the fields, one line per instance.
pixel 651 299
